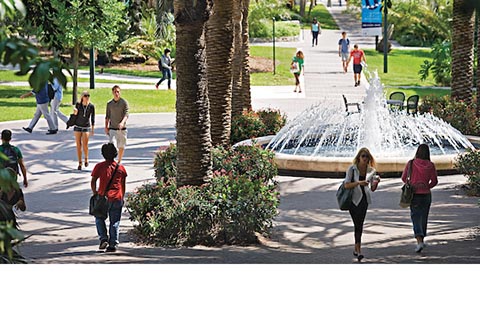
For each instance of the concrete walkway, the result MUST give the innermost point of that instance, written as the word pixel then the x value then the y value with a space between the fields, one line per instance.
pixel 309 228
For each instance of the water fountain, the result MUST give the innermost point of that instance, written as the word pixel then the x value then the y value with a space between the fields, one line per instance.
pixel 323 141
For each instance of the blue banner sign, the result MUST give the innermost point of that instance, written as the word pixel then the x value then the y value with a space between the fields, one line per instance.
pixel 371 17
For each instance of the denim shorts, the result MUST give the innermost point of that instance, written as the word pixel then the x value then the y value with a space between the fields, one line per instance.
pixel 81 129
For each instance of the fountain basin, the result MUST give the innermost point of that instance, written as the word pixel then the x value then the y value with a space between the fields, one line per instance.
pixel 335 167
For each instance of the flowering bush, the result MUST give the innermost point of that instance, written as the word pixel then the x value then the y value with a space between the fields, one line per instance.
pixel 240 201
pixel 459 114
pixel 253 124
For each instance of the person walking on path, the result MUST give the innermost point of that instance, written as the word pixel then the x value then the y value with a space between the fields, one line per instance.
pixel 344 50
pixel 14 155
pixel 296 67
pixel 55 112
pixel 42 108
pixel 116 121
pixel 165 66
pixel 316 29
pixel 106 171
pixel 423 178
pixel 359 175
pixel 358 57
pixel 11 199
pixel 84 126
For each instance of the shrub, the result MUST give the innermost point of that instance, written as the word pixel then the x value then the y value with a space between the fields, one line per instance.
pixel 459 114
pixel 240 201
pixel 253 124
pixel 9 238
pixel 469 165
pixel 441 64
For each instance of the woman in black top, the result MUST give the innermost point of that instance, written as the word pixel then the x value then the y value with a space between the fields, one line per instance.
pixel 84 126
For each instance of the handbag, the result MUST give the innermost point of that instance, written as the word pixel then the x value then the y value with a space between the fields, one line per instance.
pixel 344 196
pixel 72 120
pixel 294 67
pixel 99 204
pixel 407 189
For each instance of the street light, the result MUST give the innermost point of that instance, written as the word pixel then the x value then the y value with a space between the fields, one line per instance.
pixel 273 19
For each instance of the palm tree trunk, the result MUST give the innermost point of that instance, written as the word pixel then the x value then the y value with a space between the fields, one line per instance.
pixel 219 59
pixel 245 90
pixel 462 51
pixel 237 108
pixel 478 62
pixel 194 161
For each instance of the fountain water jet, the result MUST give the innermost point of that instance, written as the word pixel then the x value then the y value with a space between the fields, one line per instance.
pixel 323 141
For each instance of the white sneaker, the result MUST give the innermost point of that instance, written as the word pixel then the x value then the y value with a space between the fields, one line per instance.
pixel 418 248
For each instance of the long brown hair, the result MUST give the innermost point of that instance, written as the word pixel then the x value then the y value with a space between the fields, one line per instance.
pixel 300 54
pixel 423 152
pixel 371 159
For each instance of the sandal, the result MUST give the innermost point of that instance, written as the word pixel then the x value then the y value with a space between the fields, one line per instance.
pixel 79 166
pixel 86 163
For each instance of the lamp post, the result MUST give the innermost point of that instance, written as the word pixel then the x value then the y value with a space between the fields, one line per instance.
pixel 385 36
pixel 92 68
pixel 273 20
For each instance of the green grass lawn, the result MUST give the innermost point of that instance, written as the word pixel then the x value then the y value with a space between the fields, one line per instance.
pixel 403 67
pixel 283 57
pixel 323 16
pixel 140 101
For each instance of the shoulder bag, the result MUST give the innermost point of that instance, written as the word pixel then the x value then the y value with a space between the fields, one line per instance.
pixel 344 196
pixel 98 203
pixel 407 190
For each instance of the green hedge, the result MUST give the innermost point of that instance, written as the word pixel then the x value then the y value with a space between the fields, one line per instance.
pixel 254 124
pixel 240 201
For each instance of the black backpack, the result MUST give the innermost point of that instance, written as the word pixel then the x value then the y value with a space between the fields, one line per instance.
pixel 12 161
pixel 51 92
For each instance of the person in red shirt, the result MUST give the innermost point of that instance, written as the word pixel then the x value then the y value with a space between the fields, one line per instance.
pixel 358 57
pixel 423 178
pixel 115 195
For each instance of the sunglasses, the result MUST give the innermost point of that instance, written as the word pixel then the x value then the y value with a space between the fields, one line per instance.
pixel 86 95
pixel 365 156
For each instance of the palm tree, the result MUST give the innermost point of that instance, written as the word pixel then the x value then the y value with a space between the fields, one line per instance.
pixel 246 97
pixel 237 107
pixel 194 161
pixel 219 60
pixel 462 50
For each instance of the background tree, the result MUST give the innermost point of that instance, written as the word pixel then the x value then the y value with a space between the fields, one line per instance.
pixel 194 160
pixel 237 107
pixel 462 50
pixel 246 98
pixel 85 24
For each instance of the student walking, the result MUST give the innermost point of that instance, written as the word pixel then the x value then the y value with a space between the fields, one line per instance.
pixel 84 126
pixel 359 176
pixel 358 57
pixel 14 155
pixel 344 50
pixel 106 171
pixel 316 30
pixel 423 178
pixel 116 121
pixel 165 66
pixel 55 112
pixel 42 108
pixel 296 67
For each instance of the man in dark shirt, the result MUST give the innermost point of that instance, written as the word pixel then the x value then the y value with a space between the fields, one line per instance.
pixel 7 148
pixel 42 108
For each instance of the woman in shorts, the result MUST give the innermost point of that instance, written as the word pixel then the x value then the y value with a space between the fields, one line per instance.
pixel 84 126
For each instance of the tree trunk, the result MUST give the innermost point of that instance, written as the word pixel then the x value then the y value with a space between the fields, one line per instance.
pixel 462 51
pixel 478 62
pixel 245 89
pixel 303 4
pixel 219 38
pixel 194 160
pixel 237 108
pixel 76 57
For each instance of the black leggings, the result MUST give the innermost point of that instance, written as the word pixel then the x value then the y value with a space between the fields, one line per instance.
pixel 358 214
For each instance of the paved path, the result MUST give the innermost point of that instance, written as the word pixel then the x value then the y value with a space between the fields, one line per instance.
pixel 309 228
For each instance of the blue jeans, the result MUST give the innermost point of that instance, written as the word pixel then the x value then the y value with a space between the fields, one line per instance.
pixel 166 74
pixel 114 214
pixel 419 210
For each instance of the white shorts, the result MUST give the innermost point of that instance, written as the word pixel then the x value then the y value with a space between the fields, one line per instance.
pixel 120 137
pixel 345 56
